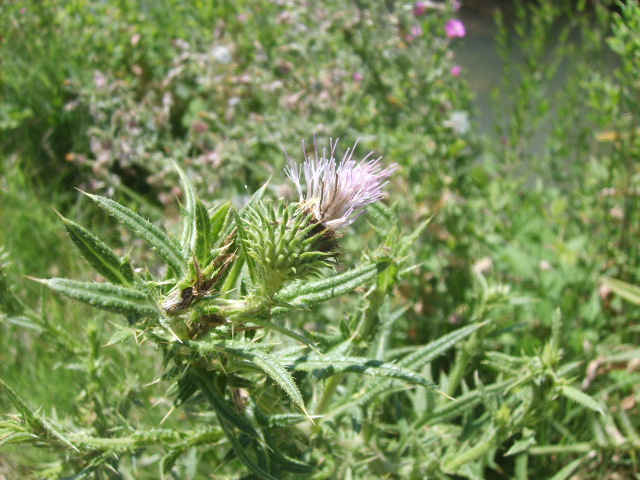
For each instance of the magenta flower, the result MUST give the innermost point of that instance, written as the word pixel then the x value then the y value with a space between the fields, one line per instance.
pixel 455 28
pixel 456 70
pixel 358 77
pixel 337 193
pixel 416 31
pixel 456 5
pixel 419 8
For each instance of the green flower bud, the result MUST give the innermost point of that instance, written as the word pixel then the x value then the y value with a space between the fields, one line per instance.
pixel 283 243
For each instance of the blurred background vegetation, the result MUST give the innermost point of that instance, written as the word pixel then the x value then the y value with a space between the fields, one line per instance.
pixel 528 168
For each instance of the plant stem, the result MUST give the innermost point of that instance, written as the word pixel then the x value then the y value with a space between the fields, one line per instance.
pixel 462 360
pixel 332 385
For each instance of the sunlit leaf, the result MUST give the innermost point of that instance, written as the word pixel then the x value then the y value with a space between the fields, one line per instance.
pixel 265 362
pixel 189 231
pixel 582 398
pixel 308 293
pixel 106 262
pixel 106 296
pixel 157 240
pixel 326 366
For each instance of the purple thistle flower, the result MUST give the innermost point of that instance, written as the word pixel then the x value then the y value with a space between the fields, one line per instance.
pixel 419 8
pixel 337 193
pixel 455 28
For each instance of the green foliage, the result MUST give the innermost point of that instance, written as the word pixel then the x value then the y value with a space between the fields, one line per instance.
pixel 479 323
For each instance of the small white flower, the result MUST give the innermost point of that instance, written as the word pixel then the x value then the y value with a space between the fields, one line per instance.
pixel 459 122
pixel 337 193
pixel 221 54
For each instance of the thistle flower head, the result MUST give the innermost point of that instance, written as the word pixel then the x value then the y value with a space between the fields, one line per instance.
pixel 338 192
pixel 281 244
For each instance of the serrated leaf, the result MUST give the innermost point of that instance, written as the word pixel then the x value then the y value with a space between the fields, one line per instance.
pixel 16 437
pixel 249 260
pixel 262 360
pixel 106 262
pixel 187 387
pixel 426 354
pixel 465 403
pixel 189 231
pixel 308 293
pixel 203 241
pixel 285 420
pixel 38 423
pixel 121 335
pixel 105 296
pixel 414 361
pixel 327 366
pixel 383 217
pixel 155 238
pixel 218 222
pixel 582 398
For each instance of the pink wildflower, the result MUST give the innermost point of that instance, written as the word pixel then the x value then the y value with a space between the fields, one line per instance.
pixel 419 8
pixel 416 31
pixel 456 70
pixel 358 77
pixel 455 28
pixel 337 193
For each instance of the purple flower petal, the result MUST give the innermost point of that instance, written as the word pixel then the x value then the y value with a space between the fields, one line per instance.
pixel 455 28
pixel 338 192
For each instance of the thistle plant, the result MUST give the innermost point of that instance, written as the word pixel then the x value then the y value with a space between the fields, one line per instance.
pixel 297 241
pixel 231 279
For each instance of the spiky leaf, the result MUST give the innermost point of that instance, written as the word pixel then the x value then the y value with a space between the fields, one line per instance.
pixel 334 286
pixel 189 231
pixel 466 402
pixel 203 241
pixel 262 360
pixel 326 366
pixel 106 296
pixel 284 331
pixel 106 262
pixel 414 361
pixel 582 398
pixel 39 424
pixel 156 238
pixel 219 220
pixel 426 354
